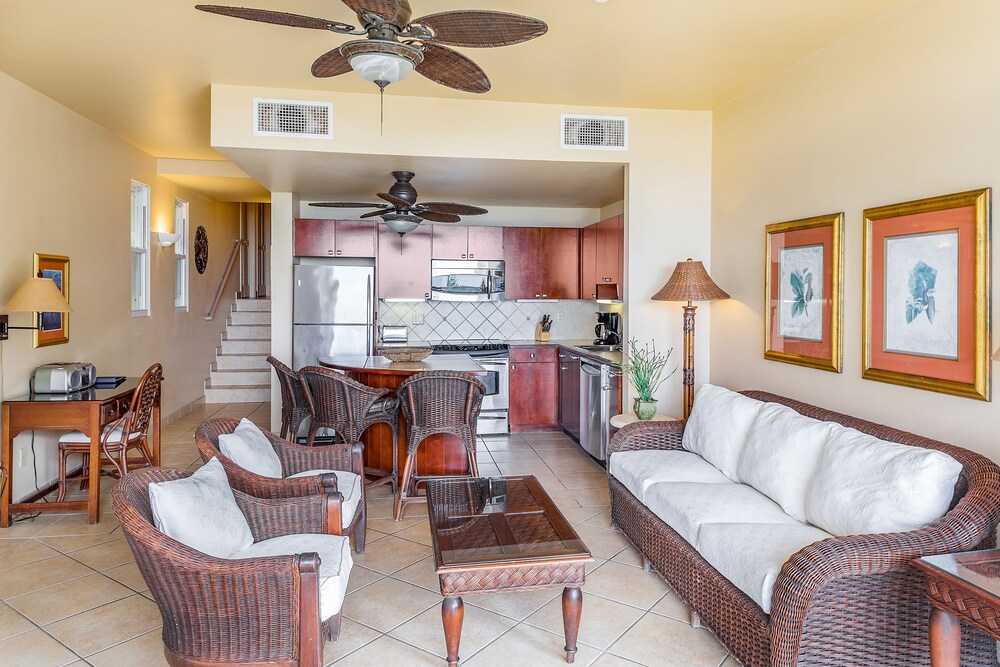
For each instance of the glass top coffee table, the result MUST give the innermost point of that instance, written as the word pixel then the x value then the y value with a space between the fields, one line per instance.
pixel 502 534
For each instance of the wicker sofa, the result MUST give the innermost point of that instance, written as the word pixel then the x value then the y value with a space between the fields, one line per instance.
pixel 842 601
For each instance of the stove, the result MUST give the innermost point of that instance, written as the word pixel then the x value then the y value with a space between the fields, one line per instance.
pixel 475 348
pixel 493 356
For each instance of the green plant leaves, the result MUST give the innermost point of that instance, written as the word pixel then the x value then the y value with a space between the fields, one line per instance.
pixel 644 367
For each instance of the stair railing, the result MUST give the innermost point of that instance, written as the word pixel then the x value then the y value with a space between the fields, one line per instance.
pixel 225 278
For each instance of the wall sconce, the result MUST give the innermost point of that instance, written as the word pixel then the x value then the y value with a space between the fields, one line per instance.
pixel 35 295
pixel 167 239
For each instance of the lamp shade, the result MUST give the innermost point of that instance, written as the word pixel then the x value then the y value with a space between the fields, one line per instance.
pixel 690 282
pixel 38 295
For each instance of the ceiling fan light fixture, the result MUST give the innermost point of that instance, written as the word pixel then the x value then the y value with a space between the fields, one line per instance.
pixel 401 223
pixel 382 63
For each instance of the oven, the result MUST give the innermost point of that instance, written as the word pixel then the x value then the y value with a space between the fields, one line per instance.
pixel 466 280
pixel 496 402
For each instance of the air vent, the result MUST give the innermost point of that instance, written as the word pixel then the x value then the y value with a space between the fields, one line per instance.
pixel 291 118
pixel 603 133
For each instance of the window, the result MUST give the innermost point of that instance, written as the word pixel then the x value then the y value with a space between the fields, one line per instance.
pixel 140 250
pixel 181 209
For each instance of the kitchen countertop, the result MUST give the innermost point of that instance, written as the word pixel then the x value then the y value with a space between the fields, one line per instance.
pixel 614 358
pixel 379 364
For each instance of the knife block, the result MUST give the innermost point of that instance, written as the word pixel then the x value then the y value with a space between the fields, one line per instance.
pixel 541 335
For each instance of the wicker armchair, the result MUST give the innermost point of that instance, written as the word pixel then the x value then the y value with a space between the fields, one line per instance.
pixel 295 459
pixel 217 611
pixel 436 402
pixel 842 601
pixel 294 404
pixel 349 408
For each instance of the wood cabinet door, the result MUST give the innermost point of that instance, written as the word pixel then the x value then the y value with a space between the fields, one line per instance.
pixel 355 238
pixel 404 263
pixel 611 250
pixel 450 242
pixel 522 262
pixel 534 395
pixel 486 243
pixel 618 275
pixel 588 262
pixel 560 263
pixel 313 237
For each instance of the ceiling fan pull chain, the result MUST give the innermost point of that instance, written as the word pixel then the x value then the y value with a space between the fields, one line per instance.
pixel 381 106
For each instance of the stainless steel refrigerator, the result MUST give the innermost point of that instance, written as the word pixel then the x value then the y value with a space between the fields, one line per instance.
pixel 333 311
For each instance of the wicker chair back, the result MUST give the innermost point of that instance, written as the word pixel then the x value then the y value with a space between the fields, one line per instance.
pixel 294 402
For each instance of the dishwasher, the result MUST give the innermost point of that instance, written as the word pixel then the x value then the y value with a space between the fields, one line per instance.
pixel 599 391
pixel 569 393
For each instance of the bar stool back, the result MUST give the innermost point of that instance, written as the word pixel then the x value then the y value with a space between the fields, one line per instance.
pixel 294 404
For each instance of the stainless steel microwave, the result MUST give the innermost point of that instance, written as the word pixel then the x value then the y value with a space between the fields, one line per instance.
pixel 453 280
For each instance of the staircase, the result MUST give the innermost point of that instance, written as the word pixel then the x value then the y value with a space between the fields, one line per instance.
pixel 240 373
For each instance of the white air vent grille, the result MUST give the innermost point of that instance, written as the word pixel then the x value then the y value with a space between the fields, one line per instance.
pixel 291 118
pixel 604 133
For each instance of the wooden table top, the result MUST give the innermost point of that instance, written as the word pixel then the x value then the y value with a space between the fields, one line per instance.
pixel 978 569
pixel 380 365
pixel 98 394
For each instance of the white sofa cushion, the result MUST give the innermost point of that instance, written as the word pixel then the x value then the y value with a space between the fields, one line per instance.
pixel 334 567
pixel 249 448
pixel 866 485
pixel 640 469
pixel 782 455
pixel 687 507
pixel 348 484
pixel 201 512
pixel 750 555
pixel 718 426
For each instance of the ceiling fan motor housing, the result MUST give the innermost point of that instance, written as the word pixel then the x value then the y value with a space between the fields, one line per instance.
pixel 402 187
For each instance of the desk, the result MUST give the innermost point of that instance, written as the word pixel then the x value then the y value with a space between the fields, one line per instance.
pixel 87 411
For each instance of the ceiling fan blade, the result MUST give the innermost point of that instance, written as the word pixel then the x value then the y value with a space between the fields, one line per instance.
pixel 277 18
pixel 345 204
pixel 331 63
pixel 482 28
pixel 452 208
pixel 390 10
pixel 452 69
pixel 434 216
pixel 395 201
pixel 374 214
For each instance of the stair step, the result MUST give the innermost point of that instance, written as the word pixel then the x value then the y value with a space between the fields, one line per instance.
pixel 259 346
pixel 252 305
pixel 237 394
pixel 250 317
pixel 225 362
pixel 247 332
pixel 240 377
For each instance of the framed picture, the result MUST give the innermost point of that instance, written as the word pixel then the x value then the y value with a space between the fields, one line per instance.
pixel 802 292
pixel 927 294
pixel 52 328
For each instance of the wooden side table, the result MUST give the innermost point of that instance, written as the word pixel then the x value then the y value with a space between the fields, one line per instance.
pixel 961 587
pixel 618 421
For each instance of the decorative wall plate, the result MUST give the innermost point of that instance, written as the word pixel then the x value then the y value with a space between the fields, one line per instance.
pixel 200 249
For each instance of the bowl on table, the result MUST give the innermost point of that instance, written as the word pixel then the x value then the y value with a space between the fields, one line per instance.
pixel 404 354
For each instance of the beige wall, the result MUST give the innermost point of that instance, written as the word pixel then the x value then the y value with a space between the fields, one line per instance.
pixel 904 108
pixel 64 182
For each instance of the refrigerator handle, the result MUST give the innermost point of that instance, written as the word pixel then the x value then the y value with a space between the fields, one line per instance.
pixel 371 317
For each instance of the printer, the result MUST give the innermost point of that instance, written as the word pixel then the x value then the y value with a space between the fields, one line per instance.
pixel 63 377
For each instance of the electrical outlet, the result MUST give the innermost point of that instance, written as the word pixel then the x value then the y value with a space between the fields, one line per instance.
pixel 560 317
pixel 417 319
pixel 22 457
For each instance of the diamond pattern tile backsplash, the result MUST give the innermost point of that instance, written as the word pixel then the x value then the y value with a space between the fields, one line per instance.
pixel 508 320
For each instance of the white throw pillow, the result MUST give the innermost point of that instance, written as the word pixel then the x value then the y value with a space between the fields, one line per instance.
pixel 201 512
pixel 782 455
pixel 250 449
pixel 866 485
pixel 718 426
pixel 348 484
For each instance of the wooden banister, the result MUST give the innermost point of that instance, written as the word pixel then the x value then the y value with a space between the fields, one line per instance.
pixel 225 278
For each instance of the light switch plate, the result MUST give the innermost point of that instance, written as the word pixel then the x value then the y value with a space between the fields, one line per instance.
pixel 416 319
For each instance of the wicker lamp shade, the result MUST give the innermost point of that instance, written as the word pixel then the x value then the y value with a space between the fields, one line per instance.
pixel 690 282
pixel 38 295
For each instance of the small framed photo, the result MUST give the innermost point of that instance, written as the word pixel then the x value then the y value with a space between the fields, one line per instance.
pixel 52 328
pixel 927 294
pixel 802 292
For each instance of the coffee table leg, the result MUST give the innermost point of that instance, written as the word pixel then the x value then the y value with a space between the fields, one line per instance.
pixel 452 612
pixel 572 604
pixel 946 639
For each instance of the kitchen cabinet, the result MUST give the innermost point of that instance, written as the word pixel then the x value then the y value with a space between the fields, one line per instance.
pixel 602 255
pixel 588 263
pixel 403 269
pixel 560 263
pixel 461 242
pixel 522 255
pixel 333 238
pixel 534 389
pixel 542 263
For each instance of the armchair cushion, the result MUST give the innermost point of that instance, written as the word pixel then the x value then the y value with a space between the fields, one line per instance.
pixel 201 512
pixel 349 486
pixel 718 426
pixel 249 448
pixel 334 567
pixel 640 469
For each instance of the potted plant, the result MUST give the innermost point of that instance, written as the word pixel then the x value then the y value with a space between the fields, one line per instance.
pixel 644 369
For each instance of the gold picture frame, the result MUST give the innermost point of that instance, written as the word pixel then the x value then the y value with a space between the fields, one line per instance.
pixel 926 318
pixel 52 328
pixel 803 266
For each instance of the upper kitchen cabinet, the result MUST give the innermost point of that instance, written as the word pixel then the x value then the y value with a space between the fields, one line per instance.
pixel 334 238
pixel 541 263
pixel 602 255
pixel 461 242
pixel 404 263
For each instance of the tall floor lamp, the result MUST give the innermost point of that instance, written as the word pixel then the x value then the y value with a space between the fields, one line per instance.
pixel 689 282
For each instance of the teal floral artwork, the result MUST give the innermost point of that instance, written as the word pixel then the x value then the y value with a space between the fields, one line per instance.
pixel 802 288
pixel 800 270
pixel 921 299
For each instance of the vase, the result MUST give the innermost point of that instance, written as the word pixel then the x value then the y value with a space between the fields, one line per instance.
pixel 644 409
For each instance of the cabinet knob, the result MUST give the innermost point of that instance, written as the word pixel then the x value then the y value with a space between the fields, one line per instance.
pixel 513 367
pixel 538 296
pixel 329 252
pixel 563 368
pixel 427 295
pixel 545 296
pixel 472 255
pixel 340 252
pixel 463 255
pixel 531 354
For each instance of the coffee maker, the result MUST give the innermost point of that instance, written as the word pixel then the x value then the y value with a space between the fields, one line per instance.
pixel 608 329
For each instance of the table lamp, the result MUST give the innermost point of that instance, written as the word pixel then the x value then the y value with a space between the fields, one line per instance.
pixel 35 295
pixel 689 282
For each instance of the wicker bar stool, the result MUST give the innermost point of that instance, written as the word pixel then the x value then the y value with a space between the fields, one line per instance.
pixel 294 403
pixel 349 408
pixel 436 402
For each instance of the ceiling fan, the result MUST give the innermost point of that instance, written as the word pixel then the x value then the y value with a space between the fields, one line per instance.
pixel 395 44
pixel 402 213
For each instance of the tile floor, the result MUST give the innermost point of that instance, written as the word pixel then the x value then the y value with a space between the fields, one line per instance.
pixel 70 593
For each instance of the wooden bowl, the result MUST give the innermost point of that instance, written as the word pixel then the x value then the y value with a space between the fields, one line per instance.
pixel 403 354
